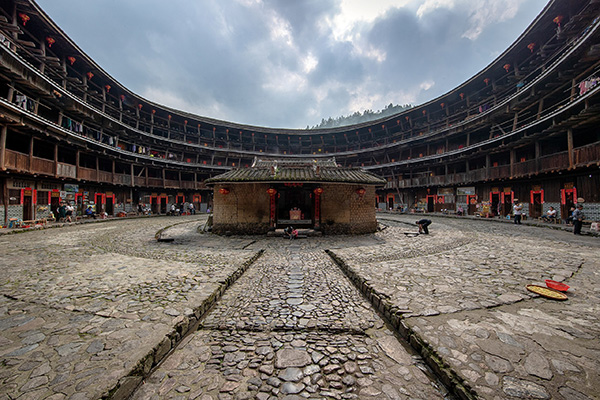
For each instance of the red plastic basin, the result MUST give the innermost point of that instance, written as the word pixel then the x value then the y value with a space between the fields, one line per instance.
pixel 556 285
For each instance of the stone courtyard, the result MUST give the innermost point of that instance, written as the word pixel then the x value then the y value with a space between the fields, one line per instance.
pixel 104 310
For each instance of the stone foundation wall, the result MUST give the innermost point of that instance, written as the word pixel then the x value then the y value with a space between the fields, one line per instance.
pixel 244 210
pixel 343 211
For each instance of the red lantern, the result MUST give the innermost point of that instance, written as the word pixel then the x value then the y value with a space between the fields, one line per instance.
pixel 90 75
pixel 71 59
pixel 224 191
pixel 122 97
pixel 506 67
pixel 153 111
pixel 442 105
pixel 318 191
pixel 169 117
pixel 140 106
pixel 558 20
pixel 407 118
pixel 271 191
pixel 50 41
pixel 107 87
pixel 486 80
pixel 24 18
pixel 185 121
pixel 531 46
pixel 462 96
pixel 361 192
pixel 424 112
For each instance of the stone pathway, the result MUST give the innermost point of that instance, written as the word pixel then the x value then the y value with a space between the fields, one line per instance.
pixel 87 310
pixel 293 327
pixel 82 306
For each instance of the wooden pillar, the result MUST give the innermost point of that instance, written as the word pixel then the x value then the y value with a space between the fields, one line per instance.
pixel 5 199
pixel 56 160
pixel 487 166
pixel 537 155
pixel 132 175
pixel 3 133
pixel 77 158
pixel 570 147
pixel 512 162
pixel 31 153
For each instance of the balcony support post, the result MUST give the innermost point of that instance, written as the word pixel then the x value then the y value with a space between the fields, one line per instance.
pixel 570 147
pixel 3 132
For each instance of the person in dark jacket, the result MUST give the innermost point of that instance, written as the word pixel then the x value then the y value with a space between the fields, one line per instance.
pixel 423 224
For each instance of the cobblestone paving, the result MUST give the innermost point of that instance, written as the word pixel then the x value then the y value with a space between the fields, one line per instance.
pixel 80 306
pixel 462 289
pixel 293 327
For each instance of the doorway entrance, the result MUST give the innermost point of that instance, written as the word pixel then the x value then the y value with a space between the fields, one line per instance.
pixel 27 201
pixel 471 204
pixel 568 199
pixel 535 203
pixel 431 199
pixel 295 207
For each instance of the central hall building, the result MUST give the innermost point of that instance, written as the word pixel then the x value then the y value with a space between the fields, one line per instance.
pixel 304 193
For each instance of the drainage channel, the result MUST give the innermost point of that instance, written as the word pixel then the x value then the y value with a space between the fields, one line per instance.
pixel 292 327
pixel 437 368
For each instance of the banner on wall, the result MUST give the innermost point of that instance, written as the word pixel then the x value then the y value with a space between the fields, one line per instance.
pixel 463 191
pixel 70 188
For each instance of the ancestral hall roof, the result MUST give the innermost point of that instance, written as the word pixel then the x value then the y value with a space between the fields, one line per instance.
pixel 299 170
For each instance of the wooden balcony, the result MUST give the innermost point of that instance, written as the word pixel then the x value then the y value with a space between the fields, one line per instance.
pixel 172 183
pixel 139 180
pixel 42 166
pixel 105 176
pixel 66 170
pixel 122 179
pixel 525 168
pixel 15 160
pixel 583 156
pixel 87 174
pixel 554 162
pixel 500 172
pixel 155 182
pixel 188 185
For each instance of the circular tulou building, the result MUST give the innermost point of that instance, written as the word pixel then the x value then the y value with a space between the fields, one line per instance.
pixel 525 127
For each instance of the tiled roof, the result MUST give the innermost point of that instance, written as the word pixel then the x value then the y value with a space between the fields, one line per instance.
pixel 298 174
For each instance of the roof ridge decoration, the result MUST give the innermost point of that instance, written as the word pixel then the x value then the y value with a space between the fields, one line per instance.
pixel 292 163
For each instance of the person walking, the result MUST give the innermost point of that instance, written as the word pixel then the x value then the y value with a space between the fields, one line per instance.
pixel 517 211
pixel 578 219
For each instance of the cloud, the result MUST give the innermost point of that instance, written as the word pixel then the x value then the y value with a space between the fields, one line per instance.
pixel 282 63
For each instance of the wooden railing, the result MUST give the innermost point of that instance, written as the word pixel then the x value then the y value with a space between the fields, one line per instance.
pixel 122 179
pixel 139 180
pixel 66 170
pixel 172 183
pixel 587 154
pixel 525 168
pixel 15 160
pixel 105 176
pixel 155 182
pixel 42 166
pixel 554 161
pixel 87 174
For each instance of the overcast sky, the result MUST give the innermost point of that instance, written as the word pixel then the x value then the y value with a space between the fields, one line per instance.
pixel 289 63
